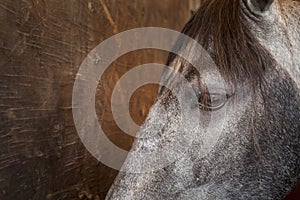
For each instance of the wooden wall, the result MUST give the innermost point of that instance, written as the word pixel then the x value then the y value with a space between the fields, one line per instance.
pixel 42 44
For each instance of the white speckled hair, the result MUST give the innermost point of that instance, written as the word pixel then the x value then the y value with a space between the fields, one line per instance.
pixel 256 46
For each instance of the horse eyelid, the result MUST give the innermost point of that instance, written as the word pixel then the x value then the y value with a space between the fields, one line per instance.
pixel 211 108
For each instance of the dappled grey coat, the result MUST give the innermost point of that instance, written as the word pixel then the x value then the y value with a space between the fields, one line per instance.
pixel 245 143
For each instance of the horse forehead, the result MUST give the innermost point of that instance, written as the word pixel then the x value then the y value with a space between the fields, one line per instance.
pixel 283 42
pixel 212 78
pixel 287 56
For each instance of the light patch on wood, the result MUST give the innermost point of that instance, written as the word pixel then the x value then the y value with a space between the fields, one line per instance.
pixel 109 17
pixel 90 6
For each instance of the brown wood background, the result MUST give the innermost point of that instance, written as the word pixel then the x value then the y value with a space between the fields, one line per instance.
pixel 42 44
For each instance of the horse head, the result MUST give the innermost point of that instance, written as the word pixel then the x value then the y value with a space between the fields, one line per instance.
pixel 243 131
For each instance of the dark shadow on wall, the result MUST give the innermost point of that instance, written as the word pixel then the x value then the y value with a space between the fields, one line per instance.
pixel 295 194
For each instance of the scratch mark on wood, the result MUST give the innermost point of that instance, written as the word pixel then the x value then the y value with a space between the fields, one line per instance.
pixel 52 195
pixel 109 17
pixel 9 10
pixel 12 97
pixel 29 77
pixel 6 48
pixel 33 45
pixel 71 143
pixel 44 37
pixel 54 55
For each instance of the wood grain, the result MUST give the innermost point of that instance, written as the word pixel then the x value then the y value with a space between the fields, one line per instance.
pixel 42 44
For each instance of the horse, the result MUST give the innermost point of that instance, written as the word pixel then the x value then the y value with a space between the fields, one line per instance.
pixel 255 45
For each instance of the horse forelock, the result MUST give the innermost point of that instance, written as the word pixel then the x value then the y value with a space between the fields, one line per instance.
pixel 223 30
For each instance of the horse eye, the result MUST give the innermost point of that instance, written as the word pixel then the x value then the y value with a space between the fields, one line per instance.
pixel 212 101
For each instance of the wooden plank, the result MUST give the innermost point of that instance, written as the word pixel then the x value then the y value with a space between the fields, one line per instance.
pixel 42 44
